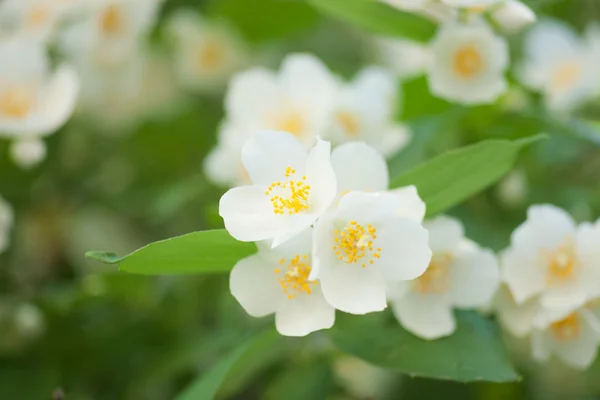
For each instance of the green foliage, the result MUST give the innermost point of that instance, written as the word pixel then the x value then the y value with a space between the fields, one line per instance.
pixel 473 353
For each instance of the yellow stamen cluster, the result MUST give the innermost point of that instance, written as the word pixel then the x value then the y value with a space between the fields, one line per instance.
pixel 468 61
pixel 348 122
pixel 111 20
pixel 567 328
pixel 294 278
pixel 354 243
pixel 436 278
pixel 561 263
pixel 15 103
pixel 296 195
pixel 292 122
pixel 210 55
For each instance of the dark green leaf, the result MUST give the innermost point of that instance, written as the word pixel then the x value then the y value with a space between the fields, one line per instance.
pixel 473 353
pixel 452 177
pixel 194 253
pixel 378 18
pixel 315 380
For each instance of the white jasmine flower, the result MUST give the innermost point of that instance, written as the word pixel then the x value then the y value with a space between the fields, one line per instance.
pixel 276 281
pixel 364 242
pixel 207 52
pixel 549 257
pixel 517 319
pixel 28 152
pixel 298 100
pixel 33 101
pixel 559 65
pixel 572 335
pixel 6 222
pixel 291 187
pixel 37 19
pixel 512 15
pixel 365 112
pixel 223 165
pixel 405 58
pixel 468 64
pixel 460 275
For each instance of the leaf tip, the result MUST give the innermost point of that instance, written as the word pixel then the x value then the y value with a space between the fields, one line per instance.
pixel 105 257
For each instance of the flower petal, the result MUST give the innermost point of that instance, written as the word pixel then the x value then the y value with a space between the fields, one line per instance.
pixel 474 277
pixel 427 316
pixel 581 351
pixel 445 234
pixel 546 228
pixel 304 314
pixel 58 101
pixel 359 167
pixel 321 177
pixel 524 275
pixel 409 204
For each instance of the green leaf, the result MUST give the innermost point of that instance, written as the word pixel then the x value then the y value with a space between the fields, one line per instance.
pixel 378 18
pixel 194 253
pixel 315 378
pixel 450 178
pixel 473 353
pixel 208 384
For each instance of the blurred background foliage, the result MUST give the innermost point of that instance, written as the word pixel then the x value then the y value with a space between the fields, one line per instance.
pixel 66 322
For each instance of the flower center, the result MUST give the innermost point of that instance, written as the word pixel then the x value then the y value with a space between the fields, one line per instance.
pixel 16 103
pixel 292 122
pixel 348 122
pixel 436 277
pixel 567 328
pixel 565 76
pixel 290 196
pixel 294 278
pixel 561 263
pixel 210 55
pixel 354 243
pixel 468 61
pixel 111 20
pixel 37 16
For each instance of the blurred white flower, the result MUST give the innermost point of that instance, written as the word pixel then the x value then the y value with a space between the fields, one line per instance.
pixel 6 223
pixel 468 63
pixel 298 100
pixel 277 281
pixel 28 152
pixel 223 165
pixel 33 101
pixel 207 52
pixel 460 275
pixel 558 64
pixel 28 320
pixel 512 190
pixel 291 187
pixel 551 258
pixel 36 19
pixel 512 15
pixel 572 335
pixel 405 58
pixel 364 242
pixel 517 319
pixel 365 111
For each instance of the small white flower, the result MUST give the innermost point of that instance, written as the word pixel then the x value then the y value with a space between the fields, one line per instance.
pixel 559 65
pixel 28 152
pixel 572 335
pixel 468 64
pixel 298 100
pixel 365 112
pixel 512 15
pixel 291 188
pixel 33 102
pixel 515 318
pixel 512 190
pixel 36 19
pixel 277 281
pixel 551 258
pixel 406 59
pixel 207 52
pixel 364 242
pixel 460 275
pixel 6 222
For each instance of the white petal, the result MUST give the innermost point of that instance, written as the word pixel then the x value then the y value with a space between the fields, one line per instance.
pixel 359 167
pixel 250 94
pixel 517 319
pixel 567 295
pixel 409 204
pixel 546 227
pixel 474 277
pixel 352 288
pixel 581 351
pixel 254 284
pixel 524 274
pixel 249 217
pixel 588 253
pixel 267 154
pixel 366 207
pixel 405 252
pixel 321 177
pixel 541 345
pixel 28 152
pixel 427 316
pixel 58 101
pixel 445 234
pixel 304 314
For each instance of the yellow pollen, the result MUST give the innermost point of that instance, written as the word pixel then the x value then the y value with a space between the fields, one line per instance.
pixel 37 16
pixel 210 55
pixel 111 20
pixel 468 61
pixel 567 328
pixel 436 278
pixel 565 75
pixel 15 103
pixel 294 279
pixel 561 263
pixel 292 195
pixel 355 242
pixel 292 122
pixel 348 122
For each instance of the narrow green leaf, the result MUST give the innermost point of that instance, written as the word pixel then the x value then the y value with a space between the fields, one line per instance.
pixel 194 253
pixel 378 18
pixel 452 177
pixel 207 385
pixel 473 353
